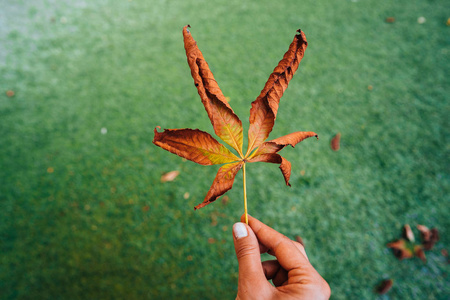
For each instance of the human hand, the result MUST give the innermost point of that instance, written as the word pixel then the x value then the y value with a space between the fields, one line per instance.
pixel 291 273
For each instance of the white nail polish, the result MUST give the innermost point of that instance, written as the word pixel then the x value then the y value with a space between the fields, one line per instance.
pixel 239 230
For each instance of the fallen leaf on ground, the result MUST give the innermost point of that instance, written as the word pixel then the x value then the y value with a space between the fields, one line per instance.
pixel 407 233
pixel 406 247
pixel 418 251
pixel 429 236
pixel 390 20
pixel 401 249
pixel 10 93
pixel 169 176
pixel 335 143
pixel 225 200
pixel 384 286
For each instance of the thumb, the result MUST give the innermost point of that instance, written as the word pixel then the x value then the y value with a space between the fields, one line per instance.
pixel 246 244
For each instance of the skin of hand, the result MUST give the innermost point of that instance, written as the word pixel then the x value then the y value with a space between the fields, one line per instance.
pixel 291 273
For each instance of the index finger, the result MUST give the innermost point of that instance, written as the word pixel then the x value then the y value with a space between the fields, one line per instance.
pixel 288 255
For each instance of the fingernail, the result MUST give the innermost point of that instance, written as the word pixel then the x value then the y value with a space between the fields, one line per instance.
pixel 239 230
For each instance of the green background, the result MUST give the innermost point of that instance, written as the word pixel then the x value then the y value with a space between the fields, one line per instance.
pixel 84 215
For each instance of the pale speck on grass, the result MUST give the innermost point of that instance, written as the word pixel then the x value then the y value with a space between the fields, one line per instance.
pixel 421 20
pixel 103 130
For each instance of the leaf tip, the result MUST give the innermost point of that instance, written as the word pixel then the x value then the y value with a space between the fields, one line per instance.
pixel 186 28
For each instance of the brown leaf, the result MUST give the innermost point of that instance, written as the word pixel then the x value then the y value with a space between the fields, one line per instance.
pixel 407 233
pixel 267 151
pixel 195 145
pixel 335 142
pixel 294 138
pixel 264 109
pixel 277 144
pixel 401 249
pixel 170 176
pixel 10 93
pixel 418 251
pixel 225 200
pixel 384 286
pixel 429 236
pixel 222 183
pixel 226 123
pixel 390 20
pixel 200 147
pixel 285 165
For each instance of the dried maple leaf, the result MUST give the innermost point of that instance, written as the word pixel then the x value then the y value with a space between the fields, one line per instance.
pixel 200 147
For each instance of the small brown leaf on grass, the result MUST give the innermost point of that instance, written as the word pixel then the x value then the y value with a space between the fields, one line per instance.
pixel 10 93
pixel 384 286
pixel 212 240
pixel 401 249
pixel 225 200
pixel 418 251
pixel 407 233
pixel 390 20
pixel 169 176
pixel 335 143
pixel 429 236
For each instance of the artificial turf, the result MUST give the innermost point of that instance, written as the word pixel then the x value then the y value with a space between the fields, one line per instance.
pixel 83 213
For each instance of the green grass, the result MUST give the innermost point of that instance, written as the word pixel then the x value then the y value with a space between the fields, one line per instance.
pixel 83 215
